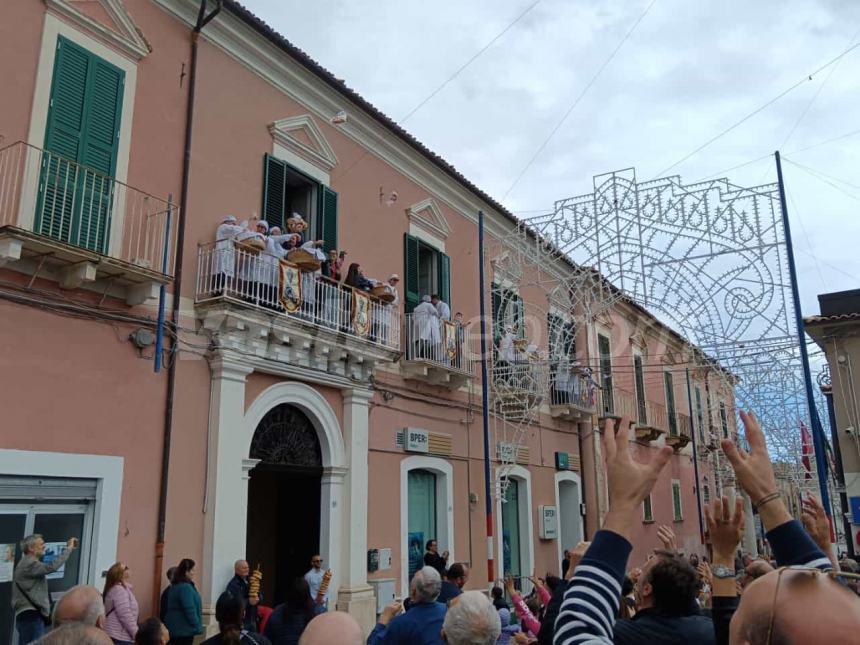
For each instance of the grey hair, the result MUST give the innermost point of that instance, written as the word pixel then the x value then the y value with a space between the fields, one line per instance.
pixel 472 621
pixel 427 583
pixel 29 542
pixel 95 607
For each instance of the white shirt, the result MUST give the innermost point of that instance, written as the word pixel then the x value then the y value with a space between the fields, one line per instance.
pixel 224 261
pixel 314 579
pixel 443 310
pixel 425 318
pixel 506 348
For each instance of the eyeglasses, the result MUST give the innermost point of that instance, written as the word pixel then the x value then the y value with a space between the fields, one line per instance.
pixel 316 561
pixel 841 577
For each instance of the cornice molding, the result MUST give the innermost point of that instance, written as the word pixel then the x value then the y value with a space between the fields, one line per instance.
pixel 427 215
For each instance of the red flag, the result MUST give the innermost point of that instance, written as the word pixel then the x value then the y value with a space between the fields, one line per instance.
pixel 806 450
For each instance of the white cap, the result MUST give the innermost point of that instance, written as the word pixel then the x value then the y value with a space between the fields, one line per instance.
pixel 296 216
pixel 393 276
pixel 263 223
pixel 229 219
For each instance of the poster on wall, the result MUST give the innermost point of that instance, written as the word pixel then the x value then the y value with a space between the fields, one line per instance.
pixel 53 550
pixel 7 562
pixel 416 551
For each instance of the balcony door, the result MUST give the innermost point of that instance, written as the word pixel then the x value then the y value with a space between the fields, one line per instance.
pixel 76 185
pixel 670 403
pixel 604 352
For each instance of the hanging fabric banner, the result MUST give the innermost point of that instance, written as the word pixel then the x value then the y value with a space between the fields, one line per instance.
pixel 290 286
pixel 360 313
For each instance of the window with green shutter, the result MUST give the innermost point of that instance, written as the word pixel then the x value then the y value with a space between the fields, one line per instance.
pixel 647 510
pixel 676 501
pixel 670 403
pixel 724 421
pixel 76 187
pixel 427 271
pixel 640 388
pixel 604 351
pixel 287 190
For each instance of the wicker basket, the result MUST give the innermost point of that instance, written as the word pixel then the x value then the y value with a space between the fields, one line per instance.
pixel 252 245
pixel 381 292
pixel 304 260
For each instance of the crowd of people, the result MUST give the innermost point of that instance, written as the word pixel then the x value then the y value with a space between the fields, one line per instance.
pixel 804 594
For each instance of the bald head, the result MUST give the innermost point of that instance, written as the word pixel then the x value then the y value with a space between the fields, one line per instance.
pixel 76 634
pixel 801 594
pixel 80 604
pixel 242 569
pixel 332 627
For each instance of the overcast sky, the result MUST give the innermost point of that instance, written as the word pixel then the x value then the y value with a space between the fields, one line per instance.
pixel 687 72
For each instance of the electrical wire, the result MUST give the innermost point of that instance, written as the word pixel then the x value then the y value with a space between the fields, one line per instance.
pixel 807 78
pixel 578 99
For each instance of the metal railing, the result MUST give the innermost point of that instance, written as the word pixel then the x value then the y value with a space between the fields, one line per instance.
pixel 656 416
pixel 684 425
pixel 570 386
pixel 443 343
pixel 227 272
pixel 47 194
pixel 615 402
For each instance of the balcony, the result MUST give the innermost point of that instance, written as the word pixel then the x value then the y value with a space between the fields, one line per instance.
pixel 520 385
pixel 680 431
pixel 614 403
pixel 437 352
pixel 297 318
pixel 654 425
pixel 573 393
pixel 63 221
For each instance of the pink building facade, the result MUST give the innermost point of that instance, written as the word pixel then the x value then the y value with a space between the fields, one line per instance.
pixel 274 434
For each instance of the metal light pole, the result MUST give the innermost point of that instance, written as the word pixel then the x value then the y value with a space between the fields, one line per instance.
pixel 485 404
pixel 695 458
pixel 815 422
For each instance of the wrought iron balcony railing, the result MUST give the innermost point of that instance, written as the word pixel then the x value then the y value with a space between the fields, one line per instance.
pixel 72 208
pixel 229 273
pixel 572 388
pixel 443 345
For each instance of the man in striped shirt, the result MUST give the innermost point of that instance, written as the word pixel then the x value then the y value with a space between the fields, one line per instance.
pixel 591 602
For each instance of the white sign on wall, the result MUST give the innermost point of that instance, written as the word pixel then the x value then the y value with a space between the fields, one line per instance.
pixel 548 522
pixel 416 440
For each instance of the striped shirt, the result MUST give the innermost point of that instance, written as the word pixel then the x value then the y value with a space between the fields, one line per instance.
pixel 590 604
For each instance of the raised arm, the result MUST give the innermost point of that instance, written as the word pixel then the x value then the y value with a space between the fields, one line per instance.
pixel 754 472
pixel 591 602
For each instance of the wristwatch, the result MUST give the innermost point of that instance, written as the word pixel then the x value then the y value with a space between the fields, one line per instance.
pixel 722 571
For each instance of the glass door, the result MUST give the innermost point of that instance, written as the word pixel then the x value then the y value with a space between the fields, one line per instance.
pixel 422 517
pixel 13 524
pixel 511 532
pixel 56 523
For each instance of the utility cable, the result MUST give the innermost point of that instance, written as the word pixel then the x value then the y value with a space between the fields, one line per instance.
pixel 579 98
pixel 737 124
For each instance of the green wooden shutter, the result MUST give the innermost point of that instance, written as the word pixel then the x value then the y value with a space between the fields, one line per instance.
pixel 639 377
pixel 327 218
pixel 274 190
pixel 410 272
pixel 519 315
pixel 84 114
pixel 444 264
pixel 99 152
pixel 670 403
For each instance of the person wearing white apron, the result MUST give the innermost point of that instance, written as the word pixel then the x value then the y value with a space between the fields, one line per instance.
pixel 275 251
pixel 425 328
pixel 250 265
pixel 309 278
pixel 224 255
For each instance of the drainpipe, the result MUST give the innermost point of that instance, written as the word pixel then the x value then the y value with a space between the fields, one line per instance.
pixel 202 20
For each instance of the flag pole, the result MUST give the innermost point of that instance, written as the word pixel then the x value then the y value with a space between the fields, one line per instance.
pixel 815 422
pixel 485 404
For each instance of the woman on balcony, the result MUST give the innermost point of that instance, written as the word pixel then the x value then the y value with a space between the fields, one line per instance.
pixel 224 260
pixel 356 279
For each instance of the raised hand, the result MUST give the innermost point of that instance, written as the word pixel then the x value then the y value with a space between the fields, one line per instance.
pixel 575 557
pixel 667 537
pixel 629 481
pixel 705 574
pixel 754 473
pixel 817 524
pixel 724 527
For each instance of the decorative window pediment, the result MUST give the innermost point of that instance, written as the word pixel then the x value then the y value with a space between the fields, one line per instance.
pixel 638 340
pixel 301 136
pixel 604 319
pixel 106 20
pixel 427 215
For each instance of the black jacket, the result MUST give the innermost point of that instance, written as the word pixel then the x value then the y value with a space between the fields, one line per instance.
pixel 436 561
pixel 547 625
pixel 650 626
pixel 285 627
pixel 239 587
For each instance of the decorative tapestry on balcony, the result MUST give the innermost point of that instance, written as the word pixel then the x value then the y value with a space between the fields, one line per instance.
pixel 290 286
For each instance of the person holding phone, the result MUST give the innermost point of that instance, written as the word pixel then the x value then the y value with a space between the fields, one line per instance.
pixel 31 601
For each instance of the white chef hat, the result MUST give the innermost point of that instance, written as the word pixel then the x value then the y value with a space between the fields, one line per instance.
pixel 425 298
pixel 296 216
pixel 229 219
pixel 263 223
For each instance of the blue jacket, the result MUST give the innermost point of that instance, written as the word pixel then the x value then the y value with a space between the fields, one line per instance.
pixel 449 590
pixel 184 615
pixel 421 625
